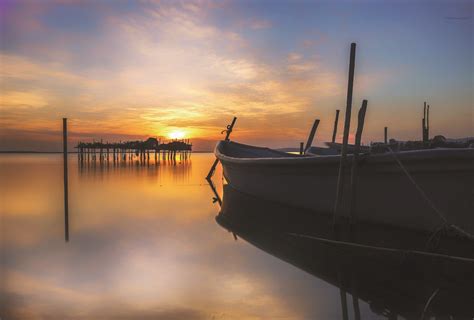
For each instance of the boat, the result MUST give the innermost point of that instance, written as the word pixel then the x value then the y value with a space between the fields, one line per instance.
pixel 417 189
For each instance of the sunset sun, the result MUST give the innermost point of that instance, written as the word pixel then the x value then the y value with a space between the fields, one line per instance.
pixel 177 134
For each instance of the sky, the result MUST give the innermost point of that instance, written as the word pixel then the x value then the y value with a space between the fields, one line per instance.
pixel 123 70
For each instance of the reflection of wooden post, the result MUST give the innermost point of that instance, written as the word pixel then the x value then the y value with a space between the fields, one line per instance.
pixel 335 126
pixel 342 293
pixel 347 123
pixel 217 198
pixel 355 159
pixel 311 135
pixel 355 300
pixel 345 313
pixel 66 205
pixel 385 135
pixel 228 131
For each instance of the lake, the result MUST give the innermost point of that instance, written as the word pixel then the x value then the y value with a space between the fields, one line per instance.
pixel 144 244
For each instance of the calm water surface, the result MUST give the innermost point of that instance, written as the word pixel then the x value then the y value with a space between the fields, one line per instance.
pixel 144 244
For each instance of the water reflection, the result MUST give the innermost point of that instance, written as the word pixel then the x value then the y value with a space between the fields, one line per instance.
pixel 144 245
pixel 386 268
pixel 178 167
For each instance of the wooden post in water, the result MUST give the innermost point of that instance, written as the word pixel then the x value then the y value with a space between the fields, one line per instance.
pixel 301 148
pixel 385 135
pixel 334 132
pixel 228 131
pixel 66 204
pixel 311 135
pixel 355 160
pixel 347 124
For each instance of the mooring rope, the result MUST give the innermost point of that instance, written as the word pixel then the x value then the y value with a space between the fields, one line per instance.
pixel 381 249
pixel 420 190
pixel 429 201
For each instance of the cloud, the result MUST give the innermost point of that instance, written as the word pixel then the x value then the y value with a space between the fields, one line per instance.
pixel 160 66
pixel 17 67
pixel 22 99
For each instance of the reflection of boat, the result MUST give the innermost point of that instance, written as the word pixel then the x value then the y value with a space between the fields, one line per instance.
pixel 384 194
pixel 399 278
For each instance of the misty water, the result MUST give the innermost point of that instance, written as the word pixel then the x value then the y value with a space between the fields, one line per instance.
pixel 144 244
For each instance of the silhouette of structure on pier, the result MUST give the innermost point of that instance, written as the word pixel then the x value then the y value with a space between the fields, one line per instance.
pixel 128 150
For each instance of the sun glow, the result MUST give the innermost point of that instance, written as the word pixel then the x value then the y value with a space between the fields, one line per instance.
pixel 177 134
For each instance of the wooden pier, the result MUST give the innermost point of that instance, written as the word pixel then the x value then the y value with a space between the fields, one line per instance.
pixel 133 150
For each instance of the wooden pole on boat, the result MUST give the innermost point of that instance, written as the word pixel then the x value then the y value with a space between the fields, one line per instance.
pixel 355 160
pixel 335 127
pixel 427 123
pixel 66 204
pixel 347 123
pixel 301 148
pixel 423 123
pixel 228 131
pixel 311 135
pixel 385 135
pixel 423 129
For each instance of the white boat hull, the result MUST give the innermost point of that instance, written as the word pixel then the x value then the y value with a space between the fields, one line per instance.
pixel 384 193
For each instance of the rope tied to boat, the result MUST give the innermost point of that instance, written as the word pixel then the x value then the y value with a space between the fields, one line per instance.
pixel 228 129
pixel 445 224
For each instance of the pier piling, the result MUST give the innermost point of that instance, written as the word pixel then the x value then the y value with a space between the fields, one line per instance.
pixel 141 151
